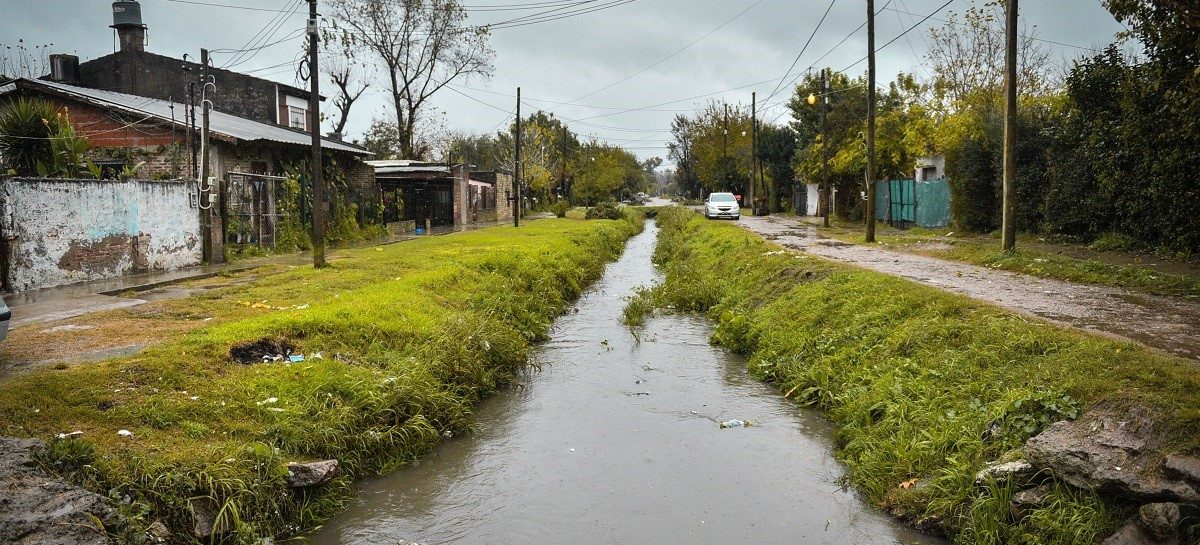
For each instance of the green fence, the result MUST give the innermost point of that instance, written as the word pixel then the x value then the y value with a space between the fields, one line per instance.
pixel 907 201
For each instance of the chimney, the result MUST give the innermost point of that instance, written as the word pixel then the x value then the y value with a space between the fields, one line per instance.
pixel 64 68
pixel 127 19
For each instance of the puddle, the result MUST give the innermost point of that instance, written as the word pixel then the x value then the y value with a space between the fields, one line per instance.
pixel 618 441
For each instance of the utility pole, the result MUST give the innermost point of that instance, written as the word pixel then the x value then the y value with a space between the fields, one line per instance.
pixel 517 167
pixel 753 150
pixel 825 193
pixel 871 99
pixel 314 128
pixel 1008 224
pixel 206 190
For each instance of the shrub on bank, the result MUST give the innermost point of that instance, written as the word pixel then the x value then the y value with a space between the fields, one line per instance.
pixel 925 387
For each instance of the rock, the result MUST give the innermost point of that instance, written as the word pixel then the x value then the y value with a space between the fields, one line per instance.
pixel 312 473
pixel 1160 520
pixel 1110 453
pixel 36 508
pixel 158 532
pixel 204 518
pixel 1132 534
pixel 1018 471
pixel 1184 467
pixel 1027 500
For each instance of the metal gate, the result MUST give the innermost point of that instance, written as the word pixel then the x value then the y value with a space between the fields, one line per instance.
pixel 251 208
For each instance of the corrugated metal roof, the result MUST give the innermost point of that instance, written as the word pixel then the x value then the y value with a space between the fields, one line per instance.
pixel 403 166
pixel 221 123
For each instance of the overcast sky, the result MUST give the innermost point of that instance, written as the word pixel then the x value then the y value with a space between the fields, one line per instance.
pixel 563 60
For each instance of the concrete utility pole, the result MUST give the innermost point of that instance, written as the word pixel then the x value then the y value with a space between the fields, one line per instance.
pixel 314 128
pixel 871 99
pixel 517 168
pixel 825 193
pixel 753 150
pixel 208 246
pixel 1008 224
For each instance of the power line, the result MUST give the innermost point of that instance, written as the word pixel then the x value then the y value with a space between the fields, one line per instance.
pixel 902 34
pixel 956 23
pixel 779 85
pixel 676 52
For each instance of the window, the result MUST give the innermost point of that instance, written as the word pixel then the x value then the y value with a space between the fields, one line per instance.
pixel 297 118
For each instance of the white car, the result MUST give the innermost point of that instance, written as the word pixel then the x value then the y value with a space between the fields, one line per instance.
pixel 5 316
pixel 722 205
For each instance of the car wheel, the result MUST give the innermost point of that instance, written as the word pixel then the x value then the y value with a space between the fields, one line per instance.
pixel 737 217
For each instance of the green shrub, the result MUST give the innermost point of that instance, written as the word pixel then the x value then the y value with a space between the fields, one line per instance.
pixel 560 209
pixel 605 211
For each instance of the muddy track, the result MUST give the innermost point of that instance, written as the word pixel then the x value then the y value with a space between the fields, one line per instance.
pixel 1163 323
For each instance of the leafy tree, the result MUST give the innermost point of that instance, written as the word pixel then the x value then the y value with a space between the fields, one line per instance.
pixel 777 152
pixel 604 171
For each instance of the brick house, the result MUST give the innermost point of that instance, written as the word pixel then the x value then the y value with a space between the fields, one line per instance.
pixel 245 155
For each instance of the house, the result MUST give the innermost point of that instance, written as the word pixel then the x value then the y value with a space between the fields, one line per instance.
pixel 248 158
pixel 930 168
pixel 134 71
pixel 441 194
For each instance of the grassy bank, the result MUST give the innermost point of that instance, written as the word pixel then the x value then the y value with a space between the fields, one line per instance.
pixel 1094 264
pixel 925 387
pixel 410 336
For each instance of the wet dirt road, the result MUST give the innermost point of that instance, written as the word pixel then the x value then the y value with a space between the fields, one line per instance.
pixel 617 441
pixel 1170 325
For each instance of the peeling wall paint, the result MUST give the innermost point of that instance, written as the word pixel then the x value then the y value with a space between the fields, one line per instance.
pixel 68 231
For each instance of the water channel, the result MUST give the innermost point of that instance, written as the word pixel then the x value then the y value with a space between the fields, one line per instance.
pixel 616 440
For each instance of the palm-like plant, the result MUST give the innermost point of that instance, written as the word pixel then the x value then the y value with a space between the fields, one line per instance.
pixel 26 127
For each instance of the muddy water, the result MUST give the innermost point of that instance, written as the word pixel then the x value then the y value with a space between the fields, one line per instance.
pixel 616 440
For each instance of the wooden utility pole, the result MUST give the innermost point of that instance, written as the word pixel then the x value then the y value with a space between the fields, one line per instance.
pixel 517 168
pixel 871 99
pixel 753 151
pixel 1008 221
pixel 825 193
pixel 314 128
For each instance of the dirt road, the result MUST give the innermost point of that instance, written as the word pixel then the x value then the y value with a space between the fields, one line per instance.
pixel 1163 323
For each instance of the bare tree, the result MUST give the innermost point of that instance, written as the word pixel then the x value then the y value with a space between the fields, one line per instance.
pixel 423 44
pixel 347 73
pixel 967 55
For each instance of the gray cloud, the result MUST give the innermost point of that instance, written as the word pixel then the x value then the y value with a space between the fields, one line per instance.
pixel 562 60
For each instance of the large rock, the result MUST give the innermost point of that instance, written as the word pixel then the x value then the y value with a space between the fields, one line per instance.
pixel 1025 501
pixel 1133 534
pixel 1160 520
pixel 1184 467
pixel 311 473
pixel 1109 452
pixel 38 509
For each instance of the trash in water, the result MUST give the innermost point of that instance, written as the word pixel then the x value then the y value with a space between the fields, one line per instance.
pixel 735 424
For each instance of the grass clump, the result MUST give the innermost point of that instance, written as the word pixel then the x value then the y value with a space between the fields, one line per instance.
pixel 925 387
pixel 409 337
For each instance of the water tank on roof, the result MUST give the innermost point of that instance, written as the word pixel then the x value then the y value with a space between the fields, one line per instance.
pixel 127 13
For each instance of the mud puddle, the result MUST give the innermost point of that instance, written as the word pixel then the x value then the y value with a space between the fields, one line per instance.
pixel 618 441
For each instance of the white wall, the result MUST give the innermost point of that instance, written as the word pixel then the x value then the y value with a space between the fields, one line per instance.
pixel 813 200
pixel 68 231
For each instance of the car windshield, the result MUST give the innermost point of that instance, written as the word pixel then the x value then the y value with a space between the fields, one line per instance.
pixel 721 197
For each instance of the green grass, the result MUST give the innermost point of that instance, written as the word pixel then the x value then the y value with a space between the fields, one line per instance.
pixel 411 334
pixel 1033 257
pixel 921 384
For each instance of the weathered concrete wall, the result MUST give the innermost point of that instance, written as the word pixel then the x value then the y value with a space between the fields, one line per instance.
pixel 67 231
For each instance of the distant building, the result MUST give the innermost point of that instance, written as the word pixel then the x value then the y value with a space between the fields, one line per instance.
pixel 441 194
pixel 930 168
